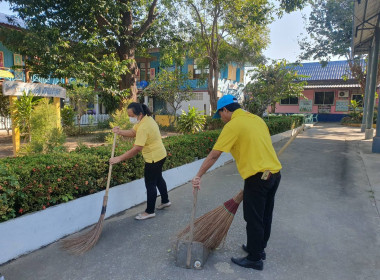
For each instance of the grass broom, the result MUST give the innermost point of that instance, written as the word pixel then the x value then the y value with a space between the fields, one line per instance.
pixel 82 243
pixel 212 228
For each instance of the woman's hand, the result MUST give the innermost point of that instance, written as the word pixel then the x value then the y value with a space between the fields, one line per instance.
pixel 196 182
pixel 116 130
pixel 115 160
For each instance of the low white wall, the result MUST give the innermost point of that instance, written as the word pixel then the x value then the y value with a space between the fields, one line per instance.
pixel 32 231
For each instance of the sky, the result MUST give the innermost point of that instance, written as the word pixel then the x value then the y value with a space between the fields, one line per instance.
pixel 284 34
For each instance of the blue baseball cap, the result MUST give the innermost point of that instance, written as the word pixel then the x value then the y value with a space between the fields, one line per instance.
pixel 223 102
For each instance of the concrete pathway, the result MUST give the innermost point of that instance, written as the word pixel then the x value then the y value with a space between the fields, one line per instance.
pixel 326 223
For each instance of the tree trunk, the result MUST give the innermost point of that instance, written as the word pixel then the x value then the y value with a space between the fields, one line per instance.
pixel 128 81
pixel 213 87
pixel 273 108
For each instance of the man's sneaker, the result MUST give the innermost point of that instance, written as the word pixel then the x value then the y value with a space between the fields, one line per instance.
pixel 163 205
pixel 263 254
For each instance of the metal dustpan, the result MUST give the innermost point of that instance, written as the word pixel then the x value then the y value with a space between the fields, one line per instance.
pixel 189 253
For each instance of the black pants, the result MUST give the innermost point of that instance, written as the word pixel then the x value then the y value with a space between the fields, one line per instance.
pixel 258 203
pixel 153 179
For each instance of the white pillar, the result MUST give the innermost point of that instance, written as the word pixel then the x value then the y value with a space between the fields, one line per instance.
pixel 96 107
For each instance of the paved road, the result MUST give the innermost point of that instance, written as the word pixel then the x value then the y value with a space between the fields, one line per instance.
pixel 326 223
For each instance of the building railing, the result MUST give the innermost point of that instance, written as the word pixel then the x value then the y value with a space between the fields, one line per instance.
pixel 92 119
pixel 5 123
pixel 85 120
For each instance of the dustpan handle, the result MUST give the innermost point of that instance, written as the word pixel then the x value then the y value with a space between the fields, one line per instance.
pixel 191 234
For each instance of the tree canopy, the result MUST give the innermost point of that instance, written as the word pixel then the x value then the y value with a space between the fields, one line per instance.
pixel 93 40
pixel 226 31
pixel 271 83
pixel 330 29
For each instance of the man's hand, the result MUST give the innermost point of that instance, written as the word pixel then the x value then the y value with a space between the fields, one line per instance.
pixel 196 182
pixel 116 130
pixel 115 160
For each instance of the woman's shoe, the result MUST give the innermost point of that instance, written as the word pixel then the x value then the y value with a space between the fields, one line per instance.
pixel 144 217
pixel 163 205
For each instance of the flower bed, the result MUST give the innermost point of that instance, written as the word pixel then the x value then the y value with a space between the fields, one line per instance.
pixel 33 183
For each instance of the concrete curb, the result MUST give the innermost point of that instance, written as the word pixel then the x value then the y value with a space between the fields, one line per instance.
pixel 33 231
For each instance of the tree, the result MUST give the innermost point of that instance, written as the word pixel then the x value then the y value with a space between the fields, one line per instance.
pixel 223 28
pixel 330 30
pixel 172 86
pixel 98 39
pixel 228 31
pixel 271 83
pixel 80 95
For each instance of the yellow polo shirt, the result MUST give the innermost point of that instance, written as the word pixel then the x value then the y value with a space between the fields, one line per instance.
pixel 148 135
pixel 246 136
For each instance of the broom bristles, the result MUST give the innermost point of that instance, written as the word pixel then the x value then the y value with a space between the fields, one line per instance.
pixel 84 242
pixel 212 228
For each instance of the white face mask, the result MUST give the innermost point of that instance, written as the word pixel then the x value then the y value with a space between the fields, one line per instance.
pixel 133 120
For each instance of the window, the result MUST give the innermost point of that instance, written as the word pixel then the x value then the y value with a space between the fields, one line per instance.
pixel 198 71
pixel 198 96
pixel 144 70
pixel 289 101
pixel 324 98
pixel 358 98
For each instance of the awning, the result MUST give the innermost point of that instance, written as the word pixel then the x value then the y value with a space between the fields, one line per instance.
pixel 366 18
pixel 6 74
pixel 333 86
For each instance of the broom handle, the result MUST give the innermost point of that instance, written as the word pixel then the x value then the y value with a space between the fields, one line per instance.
pixel 188 260
pixel 110 167
pixel 290 140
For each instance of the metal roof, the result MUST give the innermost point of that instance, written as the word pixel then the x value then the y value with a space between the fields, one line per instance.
pixel 334 70
pixel 366 18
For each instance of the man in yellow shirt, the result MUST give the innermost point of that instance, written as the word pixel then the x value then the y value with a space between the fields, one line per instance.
pixel 246 136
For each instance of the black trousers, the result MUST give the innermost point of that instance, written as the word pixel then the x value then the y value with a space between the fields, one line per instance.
pixel 153 178
pixel 258 203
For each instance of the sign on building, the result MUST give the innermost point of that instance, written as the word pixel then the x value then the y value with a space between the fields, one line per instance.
pixel 324 109
pixel 17 88
pixel 341 105
pixel 306 105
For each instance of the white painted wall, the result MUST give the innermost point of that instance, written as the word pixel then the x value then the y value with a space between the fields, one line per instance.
pixel 33 231
pixel 199 104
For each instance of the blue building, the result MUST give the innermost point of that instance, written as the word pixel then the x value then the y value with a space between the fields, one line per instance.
pixel 231 80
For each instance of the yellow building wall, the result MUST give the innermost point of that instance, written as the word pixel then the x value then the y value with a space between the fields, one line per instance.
pixel 164 120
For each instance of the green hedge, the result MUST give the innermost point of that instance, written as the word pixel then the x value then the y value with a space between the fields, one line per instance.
pixel 35 182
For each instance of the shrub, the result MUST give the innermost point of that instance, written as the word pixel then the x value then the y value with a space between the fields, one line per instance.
pixel 191 122
pixel 67 115
pixel 104 124
pixel 45 136
pixel 167 128
pixel 121 119
pixel 212 124
pixel 35 182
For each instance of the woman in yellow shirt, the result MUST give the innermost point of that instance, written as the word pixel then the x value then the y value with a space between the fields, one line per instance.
pixel 149 142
